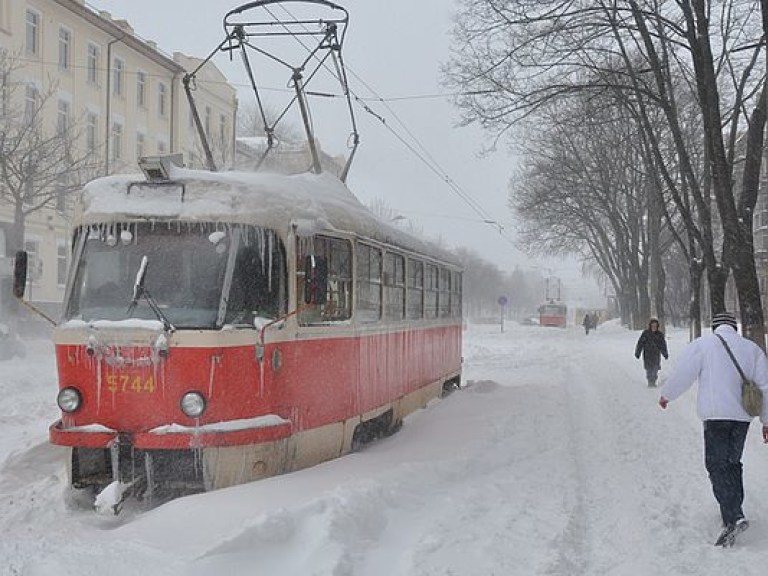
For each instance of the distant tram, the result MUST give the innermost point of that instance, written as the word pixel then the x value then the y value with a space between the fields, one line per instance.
pixel 223 327
pixel 553 314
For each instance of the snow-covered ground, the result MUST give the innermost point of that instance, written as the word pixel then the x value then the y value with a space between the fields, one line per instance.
pixel 553 460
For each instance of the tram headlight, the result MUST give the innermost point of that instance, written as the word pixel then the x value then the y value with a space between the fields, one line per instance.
pixel 193 404
pixel 69 399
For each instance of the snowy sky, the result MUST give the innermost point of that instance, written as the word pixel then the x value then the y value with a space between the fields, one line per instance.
pixel 542 465
pixel 396 48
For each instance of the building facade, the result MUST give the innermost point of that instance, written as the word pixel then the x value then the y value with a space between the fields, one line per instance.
pixel 124 97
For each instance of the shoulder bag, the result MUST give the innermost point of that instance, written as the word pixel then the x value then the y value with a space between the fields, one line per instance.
pixel 751 395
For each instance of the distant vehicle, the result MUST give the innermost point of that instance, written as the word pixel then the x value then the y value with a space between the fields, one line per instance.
pixel 223 327
pixel 553 314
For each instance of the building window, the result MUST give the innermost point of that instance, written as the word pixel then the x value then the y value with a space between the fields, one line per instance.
pixel 34 263
pixel 222 129
pixel 118 77
pixel 6 96
pixel 28 197
pixel 65 48
pixel 91 132
pixel 30 103
pixel 61 195
pixel 140 139
pixel 62 119
pixel 141 88
pixel 33 33
pixel 162 147
pixel 162 99
pixel 61 263
pixel 93 63
pixel 117 141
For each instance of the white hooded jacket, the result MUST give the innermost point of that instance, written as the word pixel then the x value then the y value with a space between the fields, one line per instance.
pixel 719 395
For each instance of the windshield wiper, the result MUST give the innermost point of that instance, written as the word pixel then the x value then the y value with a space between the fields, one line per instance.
pixel 139 291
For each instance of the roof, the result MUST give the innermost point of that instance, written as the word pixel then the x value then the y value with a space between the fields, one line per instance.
pixel 125 34
pixel 303 203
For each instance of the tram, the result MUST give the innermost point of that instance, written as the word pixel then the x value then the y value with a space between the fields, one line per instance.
pixel 219 328
pixel 553 314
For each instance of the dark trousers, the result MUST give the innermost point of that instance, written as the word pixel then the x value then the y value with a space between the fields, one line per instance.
pixel 723 446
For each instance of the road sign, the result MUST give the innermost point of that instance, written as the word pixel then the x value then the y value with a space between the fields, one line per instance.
pixel 502 300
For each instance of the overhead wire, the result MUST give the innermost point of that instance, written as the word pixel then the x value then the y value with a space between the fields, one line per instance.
pixel 419 150
pixel 210 82
pixel 424 155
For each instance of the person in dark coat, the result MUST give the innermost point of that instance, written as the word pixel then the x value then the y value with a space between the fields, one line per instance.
pixel 587 323
pixel 652 345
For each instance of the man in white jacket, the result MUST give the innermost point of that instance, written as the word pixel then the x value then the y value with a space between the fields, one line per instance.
pixel 719 406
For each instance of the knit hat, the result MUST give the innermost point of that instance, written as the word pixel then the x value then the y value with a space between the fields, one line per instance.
pixel 724 318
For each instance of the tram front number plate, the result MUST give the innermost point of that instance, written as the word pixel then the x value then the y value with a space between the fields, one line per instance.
pixel 131 383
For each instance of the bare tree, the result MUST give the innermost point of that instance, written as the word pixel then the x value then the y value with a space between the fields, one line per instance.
pixel 584 191
pixel 516 57
pixel 40 165
pixel 383 210
pixel 251 123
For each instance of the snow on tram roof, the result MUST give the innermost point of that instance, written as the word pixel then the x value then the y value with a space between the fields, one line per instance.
pixel 311 202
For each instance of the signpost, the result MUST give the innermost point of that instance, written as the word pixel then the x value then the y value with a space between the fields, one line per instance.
pixel 502 303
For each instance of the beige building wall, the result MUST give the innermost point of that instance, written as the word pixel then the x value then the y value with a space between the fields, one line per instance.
pixel 123 96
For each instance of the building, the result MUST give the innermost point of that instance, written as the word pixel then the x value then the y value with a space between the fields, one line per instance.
pixel 125 97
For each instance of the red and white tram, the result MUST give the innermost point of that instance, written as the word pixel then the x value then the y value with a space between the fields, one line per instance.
pixel 222 327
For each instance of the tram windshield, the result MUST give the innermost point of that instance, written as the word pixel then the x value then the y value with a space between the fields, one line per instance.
pixel 552 310
pixel 198 275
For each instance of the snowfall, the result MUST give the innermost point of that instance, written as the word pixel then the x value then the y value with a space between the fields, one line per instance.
pixel 554 459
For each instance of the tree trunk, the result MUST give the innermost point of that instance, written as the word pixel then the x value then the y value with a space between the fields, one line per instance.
pixel 656 266
pixel 16 240
pixel 696 273
pixel 626 309
pixel 717 279
pixel 642 298
pixel 750 306
pixel 744 270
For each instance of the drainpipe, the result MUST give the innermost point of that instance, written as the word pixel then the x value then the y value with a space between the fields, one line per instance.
pixel 172 128
pixel 108 107
pixel 234 132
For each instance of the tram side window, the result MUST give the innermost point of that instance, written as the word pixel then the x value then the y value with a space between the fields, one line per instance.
pixel 430 292
pixel 444 300
pixel 368 278
pixel 394 286
pixel 258 287
pixel 415 289
pixel 456 294
pixel 338 257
